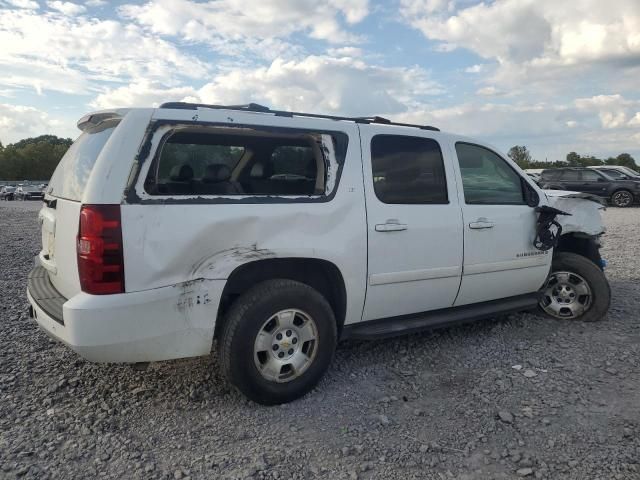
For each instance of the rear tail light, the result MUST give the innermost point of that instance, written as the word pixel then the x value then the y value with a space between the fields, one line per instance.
pixel 100 259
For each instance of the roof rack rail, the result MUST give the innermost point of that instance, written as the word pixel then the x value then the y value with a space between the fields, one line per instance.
pixel 255 107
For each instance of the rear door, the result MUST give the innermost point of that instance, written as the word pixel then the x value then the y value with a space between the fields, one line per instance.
pixel 571 180
pixel 500 260
pixel 414 223
pixel 59 217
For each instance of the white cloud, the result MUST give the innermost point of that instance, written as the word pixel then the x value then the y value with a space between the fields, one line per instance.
pixel 528 38
pixel 95 3
pixel 614 111
pixel 142 93
pixel 67 8
pixel 490 91
pixel 317 83
pixel 52 51
pixel 635 121
pixel 547 129
pixel 18 121
pixel 323 84
pixel 474 69
pixel 224 21
pixel 29 4
pixel 345 52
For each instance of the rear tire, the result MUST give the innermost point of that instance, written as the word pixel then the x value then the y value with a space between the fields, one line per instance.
pixel 576 289
pixel 622 198
pixel 277 342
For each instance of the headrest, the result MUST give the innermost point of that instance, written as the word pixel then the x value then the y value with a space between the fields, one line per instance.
pixel 257 170
pixel 216 172
pixel 181 173
pixel 404 175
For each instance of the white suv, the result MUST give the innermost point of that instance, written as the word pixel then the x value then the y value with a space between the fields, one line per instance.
pixel 277 233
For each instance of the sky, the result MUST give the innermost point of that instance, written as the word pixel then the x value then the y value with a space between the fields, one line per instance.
pixel 555 76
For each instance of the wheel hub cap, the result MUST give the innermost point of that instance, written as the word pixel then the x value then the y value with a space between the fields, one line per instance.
pixel 286 345
pixel 566 295
pixel 622 198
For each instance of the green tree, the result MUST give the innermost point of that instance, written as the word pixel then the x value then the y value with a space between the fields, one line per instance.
pixel 626 160
pixel 32 158
pixel 573 159
pixel 521 156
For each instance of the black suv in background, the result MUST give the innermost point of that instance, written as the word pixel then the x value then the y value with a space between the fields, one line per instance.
pixel 619 192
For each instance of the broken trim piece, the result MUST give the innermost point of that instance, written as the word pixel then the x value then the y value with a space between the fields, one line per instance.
pixel 135 194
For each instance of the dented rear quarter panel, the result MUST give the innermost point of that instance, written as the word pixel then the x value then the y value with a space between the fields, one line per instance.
pixel 173 243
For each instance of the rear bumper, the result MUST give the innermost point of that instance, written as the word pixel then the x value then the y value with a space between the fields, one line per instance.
pixel 152 325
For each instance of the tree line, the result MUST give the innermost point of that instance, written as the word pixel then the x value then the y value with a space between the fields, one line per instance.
pixel 36 158
pixel 521 155
pixel 32 158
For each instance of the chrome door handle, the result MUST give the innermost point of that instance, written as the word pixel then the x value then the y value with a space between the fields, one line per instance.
pixel 391 227
pixel 481 223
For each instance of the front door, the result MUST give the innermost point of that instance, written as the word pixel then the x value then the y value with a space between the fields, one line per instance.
pixel 500 260
pixel 593 182
pixel 414 223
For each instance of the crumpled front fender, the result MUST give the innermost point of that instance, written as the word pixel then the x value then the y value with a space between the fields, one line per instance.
pixel 585 210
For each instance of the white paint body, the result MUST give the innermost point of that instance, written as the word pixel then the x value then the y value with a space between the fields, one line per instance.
pixel 177 257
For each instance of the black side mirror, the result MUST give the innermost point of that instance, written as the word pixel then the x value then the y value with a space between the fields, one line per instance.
pixel 531 197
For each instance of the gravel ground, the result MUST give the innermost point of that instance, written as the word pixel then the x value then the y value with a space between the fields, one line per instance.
pixel 447 404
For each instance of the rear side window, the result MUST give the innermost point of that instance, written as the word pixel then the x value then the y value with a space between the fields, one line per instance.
pixel 408 170
pixel 204 162
pixel 72 173
pixel 550 174
pixel 487 178
pixel 570 176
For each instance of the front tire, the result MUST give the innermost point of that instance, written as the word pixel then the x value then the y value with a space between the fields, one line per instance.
pixel 622 198
pixel 277 341
pixel 576 289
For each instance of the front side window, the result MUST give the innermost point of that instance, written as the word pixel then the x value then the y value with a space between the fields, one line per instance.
pixel 550 174
pixel 487 178
pixel 214 162
pixel 570 176
pixel 408 170
pixel 591 176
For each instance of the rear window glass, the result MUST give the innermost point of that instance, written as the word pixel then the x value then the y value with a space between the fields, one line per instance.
pixel 208 162
pixel 70 177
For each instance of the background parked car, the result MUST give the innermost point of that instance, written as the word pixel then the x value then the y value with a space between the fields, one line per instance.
pixel 29 192
pixel 618 169
pixel 7 192
pixel 619 192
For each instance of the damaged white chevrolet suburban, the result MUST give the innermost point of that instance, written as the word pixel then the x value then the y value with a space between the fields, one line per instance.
pixel 276 234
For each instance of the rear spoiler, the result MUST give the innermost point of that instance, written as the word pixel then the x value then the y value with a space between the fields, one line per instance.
pixel 96 118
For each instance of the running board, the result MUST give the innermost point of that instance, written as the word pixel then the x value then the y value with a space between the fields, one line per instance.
pixel 393 326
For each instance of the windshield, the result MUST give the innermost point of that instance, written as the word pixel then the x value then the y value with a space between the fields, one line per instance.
pixel 31 189
pixel 617 174
pixel 606 175
pixel 72 174
pixel 630 172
